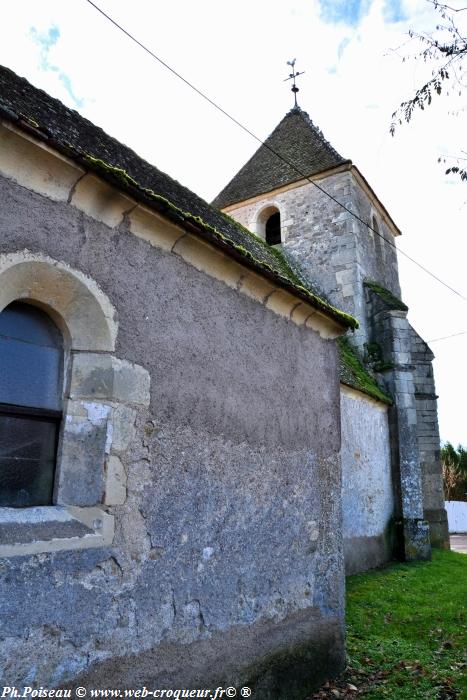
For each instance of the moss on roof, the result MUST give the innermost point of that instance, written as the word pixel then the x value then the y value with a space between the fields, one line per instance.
pixel 264 256
pixel 354 374
pixel 70 133
pixel 388 297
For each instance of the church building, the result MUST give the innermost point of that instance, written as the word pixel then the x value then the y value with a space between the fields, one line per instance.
pixel 209 414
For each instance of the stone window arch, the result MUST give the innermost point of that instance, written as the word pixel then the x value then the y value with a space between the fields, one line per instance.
pixel 79 308
pixel 100 392
pixel 269 225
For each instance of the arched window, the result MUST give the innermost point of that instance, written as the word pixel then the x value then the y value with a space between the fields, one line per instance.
pixel 379 242
pixel 268 225
pixel 273 229
pixel 31 380
pixel 374 224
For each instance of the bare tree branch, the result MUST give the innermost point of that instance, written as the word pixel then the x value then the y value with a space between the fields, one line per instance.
pixel 446 48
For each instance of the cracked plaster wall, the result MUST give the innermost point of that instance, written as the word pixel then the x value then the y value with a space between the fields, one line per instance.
pixel 231 520
pixel 367 492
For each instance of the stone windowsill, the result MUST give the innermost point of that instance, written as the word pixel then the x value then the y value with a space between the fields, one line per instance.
pixel 25 531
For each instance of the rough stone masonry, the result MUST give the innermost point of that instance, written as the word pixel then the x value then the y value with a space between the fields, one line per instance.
pixel 224 484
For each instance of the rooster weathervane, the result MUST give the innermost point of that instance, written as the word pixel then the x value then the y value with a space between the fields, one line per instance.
pixel 292 76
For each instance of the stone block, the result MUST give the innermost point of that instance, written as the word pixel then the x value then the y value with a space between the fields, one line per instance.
pixel 82 454
pixel 433 495
pixel 101 201
pixel 344 257
pixel 29 531
pixel 208 259
pixel 430 465
pixel 402 374
pixel 102 376
pixel 439 531
pixel 344 276
pixel 158 231
pixel 123 428
pixel 131 383
pixel 326 328
pixel 404 401
pixel 341 217
pixel 300 314
pixel 281 302
pixel 18 526
pixel 399 322
pixel 417 546
pixel 115 482
pixel 402 358
pixel 401 386
pixel 92 376
pixel 35 166
pixel 429 442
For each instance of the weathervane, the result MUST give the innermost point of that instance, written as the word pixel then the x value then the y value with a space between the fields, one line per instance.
pixel 292 76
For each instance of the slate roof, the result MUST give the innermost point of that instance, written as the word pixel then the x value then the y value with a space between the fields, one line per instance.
pixel 299 142
pixel 67 131
pixel 354 373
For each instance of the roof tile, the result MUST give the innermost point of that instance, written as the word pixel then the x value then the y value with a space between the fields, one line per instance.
pixel 297 141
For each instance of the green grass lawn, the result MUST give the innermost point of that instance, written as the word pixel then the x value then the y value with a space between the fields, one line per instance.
pixel 406 632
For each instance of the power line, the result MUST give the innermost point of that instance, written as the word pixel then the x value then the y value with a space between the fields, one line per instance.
pixel 278 155
pixel 446 337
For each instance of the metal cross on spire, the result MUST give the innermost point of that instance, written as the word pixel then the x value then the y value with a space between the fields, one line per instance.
pixel 292 76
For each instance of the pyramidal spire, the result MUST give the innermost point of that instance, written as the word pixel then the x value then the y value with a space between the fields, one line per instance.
pixel 301 151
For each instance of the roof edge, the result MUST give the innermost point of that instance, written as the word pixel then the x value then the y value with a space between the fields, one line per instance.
pixel 354 374
pixel 122 181
pixel 391 300
pixel 342 167
pixel 347 165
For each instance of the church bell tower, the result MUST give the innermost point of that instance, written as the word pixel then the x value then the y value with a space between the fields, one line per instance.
pixel 298 193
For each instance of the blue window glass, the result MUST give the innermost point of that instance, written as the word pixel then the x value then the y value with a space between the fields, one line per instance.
pixel 31 379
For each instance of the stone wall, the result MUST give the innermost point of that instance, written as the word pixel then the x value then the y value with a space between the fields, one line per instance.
pixel 227 564
pixel 392 332
pixel 428 441
pixel 335 251
pixel 367 492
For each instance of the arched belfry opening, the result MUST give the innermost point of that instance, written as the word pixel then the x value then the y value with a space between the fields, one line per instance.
pixel 269 225
pixel 273 229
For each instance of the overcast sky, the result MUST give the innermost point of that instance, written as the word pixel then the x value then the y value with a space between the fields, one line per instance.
pixel 351 52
